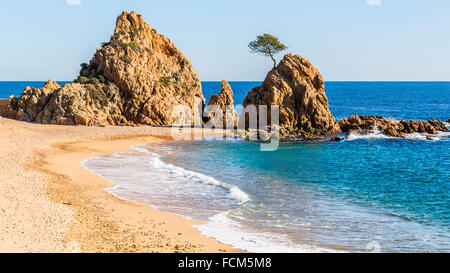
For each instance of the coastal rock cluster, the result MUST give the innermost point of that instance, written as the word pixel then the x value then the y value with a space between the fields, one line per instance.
pixel 368 124
pixel 138 77
pixel 298 88
pixel 225 114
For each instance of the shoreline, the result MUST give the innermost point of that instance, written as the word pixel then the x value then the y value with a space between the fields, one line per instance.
pixel 94 220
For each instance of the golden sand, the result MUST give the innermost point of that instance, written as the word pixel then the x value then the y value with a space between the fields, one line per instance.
pixel 50 203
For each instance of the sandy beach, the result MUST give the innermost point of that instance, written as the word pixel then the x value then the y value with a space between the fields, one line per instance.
pixel 50 203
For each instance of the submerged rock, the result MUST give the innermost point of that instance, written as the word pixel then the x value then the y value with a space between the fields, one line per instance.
pixel 298 88
pixel 336 139
pixel 225 115
pixel 139 77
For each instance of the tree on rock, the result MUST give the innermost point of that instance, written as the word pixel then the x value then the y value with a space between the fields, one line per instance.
pixel 267 45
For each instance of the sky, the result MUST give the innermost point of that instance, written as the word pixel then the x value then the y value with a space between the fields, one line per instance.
pixel 347 40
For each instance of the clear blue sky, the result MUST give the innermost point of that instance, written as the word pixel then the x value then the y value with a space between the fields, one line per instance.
pixel 345 39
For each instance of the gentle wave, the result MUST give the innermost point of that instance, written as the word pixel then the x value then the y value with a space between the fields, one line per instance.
pixel 155 160
pixel 222 228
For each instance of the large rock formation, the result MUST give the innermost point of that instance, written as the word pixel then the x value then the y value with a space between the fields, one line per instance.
pixel 139 77
pixel 298 88
pixel 152 73
pixel 225 115
pixel 364 124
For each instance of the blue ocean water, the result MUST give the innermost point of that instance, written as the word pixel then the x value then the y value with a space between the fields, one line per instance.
pixel 369 193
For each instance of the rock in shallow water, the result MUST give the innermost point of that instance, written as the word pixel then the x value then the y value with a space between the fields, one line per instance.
pixel 336 139
pixel 368 124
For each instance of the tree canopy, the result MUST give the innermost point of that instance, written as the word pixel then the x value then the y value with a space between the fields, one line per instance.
pixel 267 45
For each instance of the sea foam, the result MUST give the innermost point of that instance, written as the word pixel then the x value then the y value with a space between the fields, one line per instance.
pixel 222 228
pixel 155 160
pixel 141 175
pixel 377 134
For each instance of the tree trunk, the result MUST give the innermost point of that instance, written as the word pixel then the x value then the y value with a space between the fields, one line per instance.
pixel 274 61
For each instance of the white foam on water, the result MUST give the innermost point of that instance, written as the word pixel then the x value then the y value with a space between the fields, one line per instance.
pixel 377 134
pixel 221 224
pixel 420 136
pixel 222 228
pixel 155 160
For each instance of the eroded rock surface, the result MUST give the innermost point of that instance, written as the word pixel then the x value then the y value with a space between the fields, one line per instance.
pixel 73 104
pixel 138 77
pixel 4 104
pixel 298 88
pixel 152 73
pixel 369 124
pixel 225 115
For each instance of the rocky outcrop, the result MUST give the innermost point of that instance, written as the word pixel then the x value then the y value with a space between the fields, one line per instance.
pixel 73 104
pixel 370 124
pixel 138 77
pixel 31 102
pixel 298 88
pixel 224 115
pixel 4 107
pixel 153 74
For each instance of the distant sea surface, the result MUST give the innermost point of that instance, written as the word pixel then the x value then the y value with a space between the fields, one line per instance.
pixel 368 193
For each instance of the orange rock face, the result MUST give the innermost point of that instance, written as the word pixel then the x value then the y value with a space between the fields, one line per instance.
pixel 152 73
pixel 224 103
pixel 80 104
pixel 298 88
pixel 139 77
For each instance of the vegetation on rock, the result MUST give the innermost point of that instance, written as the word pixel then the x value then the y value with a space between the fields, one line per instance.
pixel 267 45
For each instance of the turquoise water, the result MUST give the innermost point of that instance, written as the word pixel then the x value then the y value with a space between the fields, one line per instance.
pixel 369 193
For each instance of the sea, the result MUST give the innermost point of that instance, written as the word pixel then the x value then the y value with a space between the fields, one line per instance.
pixel 369 193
